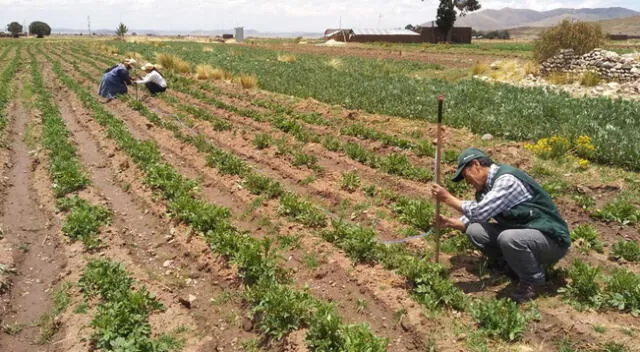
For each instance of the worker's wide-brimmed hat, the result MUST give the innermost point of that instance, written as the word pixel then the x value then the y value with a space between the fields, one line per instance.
pixel 148 66
pixel 465 158
pixel 130 61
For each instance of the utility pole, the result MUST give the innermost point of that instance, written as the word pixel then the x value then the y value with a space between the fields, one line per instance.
pixel 89 24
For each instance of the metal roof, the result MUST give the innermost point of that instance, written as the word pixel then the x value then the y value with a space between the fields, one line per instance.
pixel 373 31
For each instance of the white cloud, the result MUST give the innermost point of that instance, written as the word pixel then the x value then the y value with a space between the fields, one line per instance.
pixel 280 15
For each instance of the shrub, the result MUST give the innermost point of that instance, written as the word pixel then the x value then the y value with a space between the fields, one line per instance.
pixel 248 81
pixel 550 148
pixel 589 79
pixel 585 147
pixel 203 72
pixel 479 68
pixel 531 68
pixel 582 37
pixel 286 58
pixel 217 74
pixel 173 63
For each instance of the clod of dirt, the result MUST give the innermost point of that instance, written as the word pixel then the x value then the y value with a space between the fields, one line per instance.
pixel 247 324
pixel 187 302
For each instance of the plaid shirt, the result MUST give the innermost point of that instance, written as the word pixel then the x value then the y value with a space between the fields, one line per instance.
pixel 506 193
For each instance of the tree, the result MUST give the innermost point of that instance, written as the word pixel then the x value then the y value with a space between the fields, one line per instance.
pixel 121 30
pixel 40 29
pixel 14 28
pixel 448 11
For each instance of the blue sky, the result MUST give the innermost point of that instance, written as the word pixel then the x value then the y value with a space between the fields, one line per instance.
pixel 265 16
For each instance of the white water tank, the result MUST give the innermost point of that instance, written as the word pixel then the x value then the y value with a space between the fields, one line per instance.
pixel 239 34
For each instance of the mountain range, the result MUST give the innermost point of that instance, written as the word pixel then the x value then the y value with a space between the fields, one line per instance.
pixel 507 18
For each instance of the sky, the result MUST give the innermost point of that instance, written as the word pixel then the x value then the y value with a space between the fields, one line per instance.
pixel 265 16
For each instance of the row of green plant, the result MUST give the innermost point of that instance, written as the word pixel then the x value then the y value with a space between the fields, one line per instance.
pixel 431 284
pixel 83 220
pixel 393 164
pixel 513 112
pixel 257 262
pixel 589 287
pixel 121 321
pixel 5 84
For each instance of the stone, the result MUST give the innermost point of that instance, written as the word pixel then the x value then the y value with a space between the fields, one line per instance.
pixel 167 263
pixel 487 137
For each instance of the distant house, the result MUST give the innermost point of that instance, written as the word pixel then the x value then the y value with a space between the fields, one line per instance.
pixel 365 35
pixel 421 35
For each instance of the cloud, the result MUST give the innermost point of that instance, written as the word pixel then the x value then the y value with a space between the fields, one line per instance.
pixel 279 15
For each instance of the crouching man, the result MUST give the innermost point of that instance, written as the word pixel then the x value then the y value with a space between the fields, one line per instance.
pixel 527 232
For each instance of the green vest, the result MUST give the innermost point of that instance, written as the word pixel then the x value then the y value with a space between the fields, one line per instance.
pixel 538 213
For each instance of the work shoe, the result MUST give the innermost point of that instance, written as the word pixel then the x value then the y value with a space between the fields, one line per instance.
pixel 525 292
pixel 499 266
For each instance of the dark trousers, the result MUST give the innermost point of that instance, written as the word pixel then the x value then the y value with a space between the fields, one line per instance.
pixel 155 88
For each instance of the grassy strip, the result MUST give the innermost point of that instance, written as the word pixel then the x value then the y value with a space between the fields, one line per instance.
pixel 83 220
pixel 272 300
pixel 121 322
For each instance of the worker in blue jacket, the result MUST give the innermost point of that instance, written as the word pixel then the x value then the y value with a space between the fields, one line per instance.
pixel 115 80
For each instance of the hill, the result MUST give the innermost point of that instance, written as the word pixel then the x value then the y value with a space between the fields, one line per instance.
pixel 516 18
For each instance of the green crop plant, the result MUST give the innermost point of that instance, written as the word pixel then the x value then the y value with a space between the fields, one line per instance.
pixel 586 238
pixel 398 164
pixel 359 243
pixel 430 283
pixel 622 291
pixel 584 289
pixel 350 181
pixel 262 140
pixel 361 155
pixel 300 158
pixel 83 221
pixel 502 318
pixel 331 143
pixel 301 211
pixel 584 201
pixel 621 210
pixel 279 309
pixel 425 148
pixel 122 316
pixel 370 190
pixel 456 244
pixel 227 163
pixel 261 185
pixel 258 260
pixel 415 212
pixel 628 250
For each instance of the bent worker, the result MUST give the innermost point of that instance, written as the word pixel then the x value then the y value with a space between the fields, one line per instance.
pixel 115 80
pixel 528 231
pixel 153 80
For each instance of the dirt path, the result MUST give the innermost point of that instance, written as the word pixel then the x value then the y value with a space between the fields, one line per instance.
pixel 31 233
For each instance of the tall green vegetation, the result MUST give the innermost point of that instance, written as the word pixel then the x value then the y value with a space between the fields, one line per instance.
pixel 39 29
pixel 582 37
